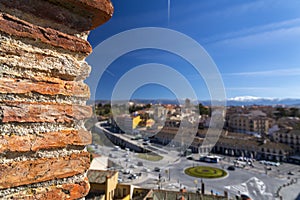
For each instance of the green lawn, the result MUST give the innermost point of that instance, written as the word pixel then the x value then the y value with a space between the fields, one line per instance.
pixel 205 172
pixel 150 156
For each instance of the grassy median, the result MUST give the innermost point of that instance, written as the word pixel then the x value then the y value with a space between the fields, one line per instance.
pixel 150 156
pixel 205 172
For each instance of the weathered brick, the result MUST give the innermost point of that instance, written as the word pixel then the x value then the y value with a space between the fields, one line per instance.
pixel 43 169
pixel 62 139
pixel 43 112
pixel 100 10
pixel 26 61
pixel 66 191
pixel 67 88
pixel 43 45
pixel 76 190
pixel 78 15
pixel 16 27
pixel 51 140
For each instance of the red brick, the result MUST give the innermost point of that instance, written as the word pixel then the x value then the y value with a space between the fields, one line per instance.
pixel 42 169
pixel 19 28
pixel 51 140
pixel 43 112
pixel 100 10
pixel 62 139
pixel 68 191
pixel 67 88
pixel 80 15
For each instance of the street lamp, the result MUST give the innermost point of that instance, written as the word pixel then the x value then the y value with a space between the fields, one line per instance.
pixel 168 173
pixel 196 183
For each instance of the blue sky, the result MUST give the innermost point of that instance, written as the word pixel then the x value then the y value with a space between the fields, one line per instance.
pixel 254 44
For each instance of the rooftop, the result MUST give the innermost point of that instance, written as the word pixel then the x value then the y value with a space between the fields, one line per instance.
pixel 173 195
pixel 99 176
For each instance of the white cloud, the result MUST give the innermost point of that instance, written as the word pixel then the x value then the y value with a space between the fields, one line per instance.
pixel 214 11
pixel 278 36
pixel 281 28
pixel 277 72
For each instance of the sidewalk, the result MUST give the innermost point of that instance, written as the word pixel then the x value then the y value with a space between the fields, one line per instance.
pixel 290 191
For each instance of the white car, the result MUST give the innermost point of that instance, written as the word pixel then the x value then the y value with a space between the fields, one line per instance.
pixel 133 166
pixel 262 162
pixel 146 170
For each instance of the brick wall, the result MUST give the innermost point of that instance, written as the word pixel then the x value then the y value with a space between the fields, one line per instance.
pixel 43 97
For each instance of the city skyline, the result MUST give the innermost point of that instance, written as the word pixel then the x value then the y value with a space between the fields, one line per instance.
pixel 254 45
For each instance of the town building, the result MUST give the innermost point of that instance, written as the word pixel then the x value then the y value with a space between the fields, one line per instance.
pixel 253 148
pixel 288 137
pixel 182 194
pixel 229 143
pixel 104 186
pixel 255 122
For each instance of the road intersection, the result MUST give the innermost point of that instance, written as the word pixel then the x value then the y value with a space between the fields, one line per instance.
pixel 173 176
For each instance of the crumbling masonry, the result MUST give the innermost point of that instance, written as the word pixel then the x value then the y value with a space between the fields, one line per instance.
pixel 43 98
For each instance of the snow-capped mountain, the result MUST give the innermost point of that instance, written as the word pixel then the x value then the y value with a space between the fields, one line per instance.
pixel 252 100
pixel 249 98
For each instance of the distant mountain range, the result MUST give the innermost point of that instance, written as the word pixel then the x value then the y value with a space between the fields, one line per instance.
pixel 250 100
pixel 236 101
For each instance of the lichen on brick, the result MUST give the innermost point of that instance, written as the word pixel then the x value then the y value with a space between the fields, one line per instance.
pixel 43 96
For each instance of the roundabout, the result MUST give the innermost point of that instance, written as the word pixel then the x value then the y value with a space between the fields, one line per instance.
pixel 205 172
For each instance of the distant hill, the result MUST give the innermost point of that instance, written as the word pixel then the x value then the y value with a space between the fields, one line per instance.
pixel 142 101
pixel 236 101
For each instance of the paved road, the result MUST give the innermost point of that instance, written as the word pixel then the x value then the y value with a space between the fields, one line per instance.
pixel 274 178
pixel 259 182
pixel 291 192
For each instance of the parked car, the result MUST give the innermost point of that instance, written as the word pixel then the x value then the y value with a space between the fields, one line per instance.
pixel 262 161
pixel 269 163
pixel 132 176
pixel 139 174
pixel 157 169
pixel 291 173
pixel 117 148
pixel 133 166
pixel 120 180
pixel 146 170
pixel 112 155
pixel 127 171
